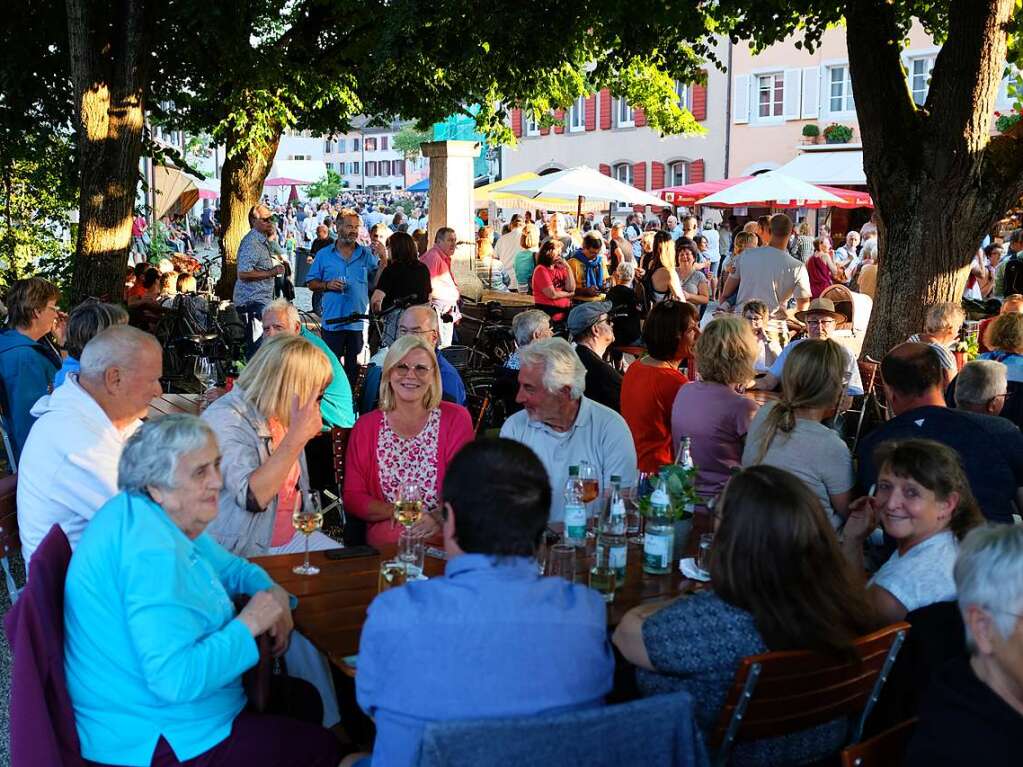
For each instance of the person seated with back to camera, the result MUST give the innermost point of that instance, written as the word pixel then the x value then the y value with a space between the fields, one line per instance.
pixel 780 583
pixel 498 638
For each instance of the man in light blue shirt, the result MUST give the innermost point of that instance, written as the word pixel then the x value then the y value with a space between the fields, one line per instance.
pixel 345 274
pixel 491 638
pixel 562 426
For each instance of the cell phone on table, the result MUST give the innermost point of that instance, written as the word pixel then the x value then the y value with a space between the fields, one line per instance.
pixel 349 552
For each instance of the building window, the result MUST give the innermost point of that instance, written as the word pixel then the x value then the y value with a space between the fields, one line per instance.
pixel 356 144
pixel 328 146
pixel 383 143
pixel 770 94
pixel 682 91
pixel 371 145
pixel 577 115
pixel 371 167
pixel 678 174
pixel 840 94
pixel 623 172
pixel 623 113
pixel 920 78
pixel 355 168
pixel 532 126
pixel 398 168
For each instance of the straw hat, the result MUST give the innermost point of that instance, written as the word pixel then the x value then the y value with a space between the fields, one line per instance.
pixel 821 306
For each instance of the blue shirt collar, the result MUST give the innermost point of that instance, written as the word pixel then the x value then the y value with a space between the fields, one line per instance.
pixel 466 563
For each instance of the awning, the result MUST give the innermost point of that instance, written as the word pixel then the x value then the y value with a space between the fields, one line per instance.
pixel 173 191
pixel 689 194
pixel 843 168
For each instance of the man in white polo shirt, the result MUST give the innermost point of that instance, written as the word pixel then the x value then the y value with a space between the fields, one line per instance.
pixel 562 426
pixel 68 468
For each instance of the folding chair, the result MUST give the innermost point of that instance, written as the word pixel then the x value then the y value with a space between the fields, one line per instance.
pixel 780 693
pixel 870 375
pixel 886 749
pixel 8 445
pixel 10 542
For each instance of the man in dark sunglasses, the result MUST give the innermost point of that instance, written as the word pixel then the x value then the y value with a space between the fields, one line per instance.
pixel 254 289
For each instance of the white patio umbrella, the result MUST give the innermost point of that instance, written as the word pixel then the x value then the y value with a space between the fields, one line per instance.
pixel 581 184
pixel 775 189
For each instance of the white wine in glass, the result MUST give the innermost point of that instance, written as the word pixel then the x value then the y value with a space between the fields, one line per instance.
pixel 307 520
pixel 408 508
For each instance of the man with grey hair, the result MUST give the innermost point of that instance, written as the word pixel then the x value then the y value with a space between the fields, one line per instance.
pixel 981 387
pixel 973 710
pixel 281 317
pixel 562 426
pixel 419 321
pixel 69 466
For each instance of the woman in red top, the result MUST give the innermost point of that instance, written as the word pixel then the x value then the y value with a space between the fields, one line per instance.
pixel 820 268
pixel 553 282
pixel 651 383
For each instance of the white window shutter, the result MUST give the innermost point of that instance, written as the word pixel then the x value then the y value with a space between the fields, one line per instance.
pixel 793 83
pixel 811 93
pixel 740 98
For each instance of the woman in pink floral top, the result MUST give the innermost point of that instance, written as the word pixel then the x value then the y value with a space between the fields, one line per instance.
pixel 411 438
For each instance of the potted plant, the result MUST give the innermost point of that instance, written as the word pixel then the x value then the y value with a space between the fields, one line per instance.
pixel 680 486
pixel 837 134
pixel 1009 122
pixel 811 133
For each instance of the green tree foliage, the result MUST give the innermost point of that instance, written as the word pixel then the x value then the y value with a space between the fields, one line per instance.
pixel 408 141
pixel 326 188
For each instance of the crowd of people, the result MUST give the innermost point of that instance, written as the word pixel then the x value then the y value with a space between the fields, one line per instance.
pixel 731 348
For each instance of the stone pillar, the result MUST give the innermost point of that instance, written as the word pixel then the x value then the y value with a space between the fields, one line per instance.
pixel 451 189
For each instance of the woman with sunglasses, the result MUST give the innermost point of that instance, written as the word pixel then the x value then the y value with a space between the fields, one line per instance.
pixel 410 438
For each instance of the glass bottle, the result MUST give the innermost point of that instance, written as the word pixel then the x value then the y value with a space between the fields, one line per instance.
pixel 575 509
pixel 659 535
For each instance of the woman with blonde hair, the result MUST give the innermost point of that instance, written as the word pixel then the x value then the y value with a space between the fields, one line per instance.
pixel 662 280
pixel 263 425
pixel 711 412
pixel 525 259
pixel 790 435
pixel 410 438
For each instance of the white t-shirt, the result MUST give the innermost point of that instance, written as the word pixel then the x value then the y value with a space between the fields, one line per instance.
pixel 924 575
pixel 507 246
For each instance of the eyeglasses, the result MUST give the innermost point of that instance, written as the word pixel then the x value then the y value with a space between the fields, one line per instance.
pixel 819 323
pixel 267 219
pixel 420 371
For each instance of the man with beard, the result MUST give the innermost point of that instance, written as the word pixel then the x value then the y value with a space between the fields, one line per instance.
pixel 345 273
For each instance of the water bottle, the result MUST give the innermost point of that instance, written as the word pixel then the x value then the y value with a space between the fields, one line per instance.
pixel 659 539
pixel 575 509
pixel 611 532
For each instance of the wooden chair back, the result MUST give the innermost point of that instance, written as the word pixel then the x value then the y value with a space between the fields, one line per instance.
pixel 338 447
pixel 779 693
pixel 886 749
pixel 360 382
pixel 10 541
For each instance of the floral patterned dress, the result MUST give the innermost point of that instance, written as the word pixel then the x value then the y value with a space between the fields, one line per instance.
pixel 412 459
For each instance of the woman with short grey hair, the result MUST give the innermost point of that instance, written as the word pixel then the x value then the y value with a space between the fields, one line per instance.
pixel 148 599
pixel 973 710
pixel 528 326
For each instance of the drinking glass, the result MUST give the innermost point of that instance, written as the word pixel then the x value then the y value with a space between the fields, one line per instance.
pixel 392 574
pixel 703 553
pixel 205 373
pixel 633 517
pixel 547 539
pixel 561 561
pixel 411 552
pixel 307 519
pixel 408 508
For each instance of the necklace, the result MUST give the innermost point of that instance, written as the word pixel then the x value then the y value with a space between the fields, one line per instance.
pixel 655 363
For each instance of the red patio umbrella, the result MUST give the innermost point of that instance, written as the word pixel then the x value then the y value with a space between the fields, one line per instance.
pixel 688 194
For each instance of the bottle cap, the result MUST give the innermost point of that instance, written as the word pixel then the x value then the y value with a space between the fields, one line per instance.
pixel 616 479
pixel 573 471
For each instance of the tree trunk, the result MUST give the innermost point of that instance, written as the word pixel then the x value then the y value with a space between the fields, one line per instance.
pixel 245 169
pixel 938 179
pixel 109 52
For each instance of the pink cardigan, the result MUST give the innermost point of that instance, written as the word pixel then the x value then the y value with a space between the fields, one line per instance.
pixel 362 474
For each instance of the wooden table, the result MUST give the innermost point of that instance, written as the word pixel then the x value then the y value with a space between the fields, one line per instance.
pixel 169 404
pixel 332 605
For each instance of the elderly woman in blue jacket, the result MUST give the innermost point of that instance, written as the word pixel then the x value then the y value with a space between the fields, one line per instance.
pixel 154 651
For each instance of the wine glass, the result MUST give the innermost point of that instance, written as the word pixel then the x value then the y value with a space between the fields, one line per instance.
pixel 205 373
pixel 307 519
pixel 408 507
pixel 591 491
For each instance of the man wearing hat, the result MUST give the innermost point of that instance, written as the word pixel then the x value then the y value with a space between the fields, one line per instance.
pixel 590 328
pixel 821 319
pixel 254 288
